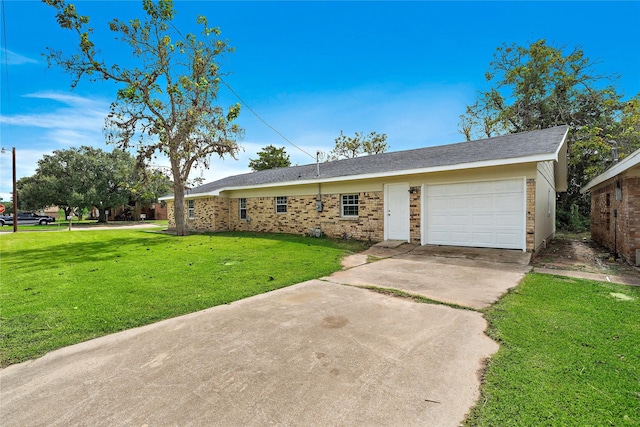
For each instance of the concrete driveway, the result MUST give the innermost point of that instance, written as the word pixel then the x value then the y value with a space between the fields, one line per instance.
pixel 470 277
pixel 317 353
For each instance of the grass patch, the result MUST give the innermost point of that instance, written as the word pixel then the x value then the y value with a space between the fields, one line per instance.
pixel 85 223
pixel 62 288
pixel 413 297
pixel 569 355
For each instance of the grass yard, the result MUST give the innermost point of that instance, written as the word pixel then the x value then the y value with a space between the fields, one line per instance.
pixel 569 356
pixel 61 288
pixel 85 223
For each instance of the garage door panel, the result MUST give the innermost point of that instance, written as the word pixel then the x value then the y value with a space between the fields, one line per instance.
pixel 446 204
pixel 514 186
pixel 439 237
pixel 507 239
pixel 460 236
pixel 458 220
pixel 483 214
pixel 483 220
pixel 439 221
pixel 485 238
pixel 509 201
pixel 509 220
pixel 479 202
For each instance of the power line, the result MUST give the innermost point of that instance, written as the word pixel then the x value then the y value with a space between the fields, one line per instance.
pixel 262 120
pixel 248 107
pixel 6 61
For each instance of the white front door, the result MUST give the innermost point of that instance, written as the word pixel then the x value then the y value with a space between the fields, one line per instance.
pixel 396 206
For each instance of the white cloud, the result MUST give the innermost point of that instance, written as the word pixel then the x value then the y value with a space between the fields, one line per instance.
pixel 59 121
pixel 13 58
pixel 78 114
pixel 412 117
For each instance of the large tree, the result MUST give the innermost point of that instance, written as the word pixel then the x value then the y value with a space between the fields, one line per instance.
pixel 112 180
pixel 165 104
pixel 62 179
pixel 270 157
pixel 81 178
pixel 149 185
pixel 348 147
pixel 540 86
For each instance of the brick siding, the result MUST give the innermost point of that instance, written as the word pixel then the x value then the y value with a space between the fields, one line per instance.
pixel 414 215
pixel 531 214
pixel 223 214
pixel 210 214
pixel 621 234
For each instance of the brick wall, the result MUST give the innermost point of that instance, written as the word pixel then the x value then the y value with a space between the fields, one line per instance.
pixel 210 214
pixel 414 215
pixel 621 234
pixel 171 215
pixel 301 215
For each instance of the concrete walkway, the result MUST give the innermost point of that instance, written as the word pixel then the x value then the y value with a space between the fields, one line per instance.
pixel 317 353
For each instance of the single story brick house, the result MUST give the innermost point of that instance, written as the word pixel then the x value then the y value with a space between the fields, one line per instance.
pixel 615 208
pixel 498 193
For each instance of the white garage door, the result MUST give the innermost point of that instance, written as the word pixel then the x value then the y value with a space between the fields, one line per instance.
pixel 487 214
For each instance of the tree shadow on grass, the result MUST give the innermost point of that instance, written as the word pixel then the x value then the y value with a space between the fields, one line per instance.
pixel 81 250
pixel 86 248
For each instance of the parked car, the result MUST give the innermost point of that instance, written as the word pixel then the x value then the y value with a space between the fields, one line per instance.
pixel 27 218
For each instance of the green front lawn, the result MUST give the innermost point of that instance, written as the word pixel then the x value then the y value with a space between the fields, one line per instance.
pixel 85 223
pixel 569 356
pixel 62 288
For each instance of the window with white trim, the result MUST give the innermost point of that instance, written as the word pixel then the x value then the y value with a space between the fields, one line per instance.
pixel 191 209
pixel 349 205
pixel 281 204
pixel 243 208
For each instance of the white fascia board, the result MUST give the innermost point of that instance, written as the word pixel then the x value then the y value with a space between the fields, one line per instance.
pixel 473 165
pixel 561 173
pixel 194 196
pixel 564 138
pixel 630 161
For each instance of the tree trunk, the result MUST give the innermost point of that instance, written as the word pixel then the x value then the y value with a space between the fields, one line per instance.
pixel 102 216
pixel 178 210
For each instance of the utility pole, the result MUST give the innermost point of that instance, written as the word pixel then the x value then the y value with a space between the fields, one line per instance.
pixel 15 189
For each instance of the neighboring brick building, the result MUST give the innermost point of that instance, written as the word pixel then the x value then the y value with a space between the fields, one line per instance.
pixel 615 208
pixel 498 192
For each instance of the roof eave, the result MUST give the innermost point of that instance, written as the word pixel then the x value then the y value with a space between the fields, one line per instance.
pixel 630 161
pixel 444 168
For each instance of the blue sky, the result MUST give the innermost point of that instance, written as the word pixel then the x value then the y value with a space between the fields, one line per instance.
pixel 310 69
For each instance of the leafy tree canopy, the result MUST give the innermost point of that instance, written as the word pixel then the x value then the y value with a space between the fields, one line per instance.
pixel 270 157
pixel 80 178
pixel 165 104
pixel 348 147
pixel 541 86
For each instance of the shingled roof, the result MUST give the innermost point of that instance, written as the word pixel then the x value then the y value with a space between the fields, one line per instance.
pixel 539 145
